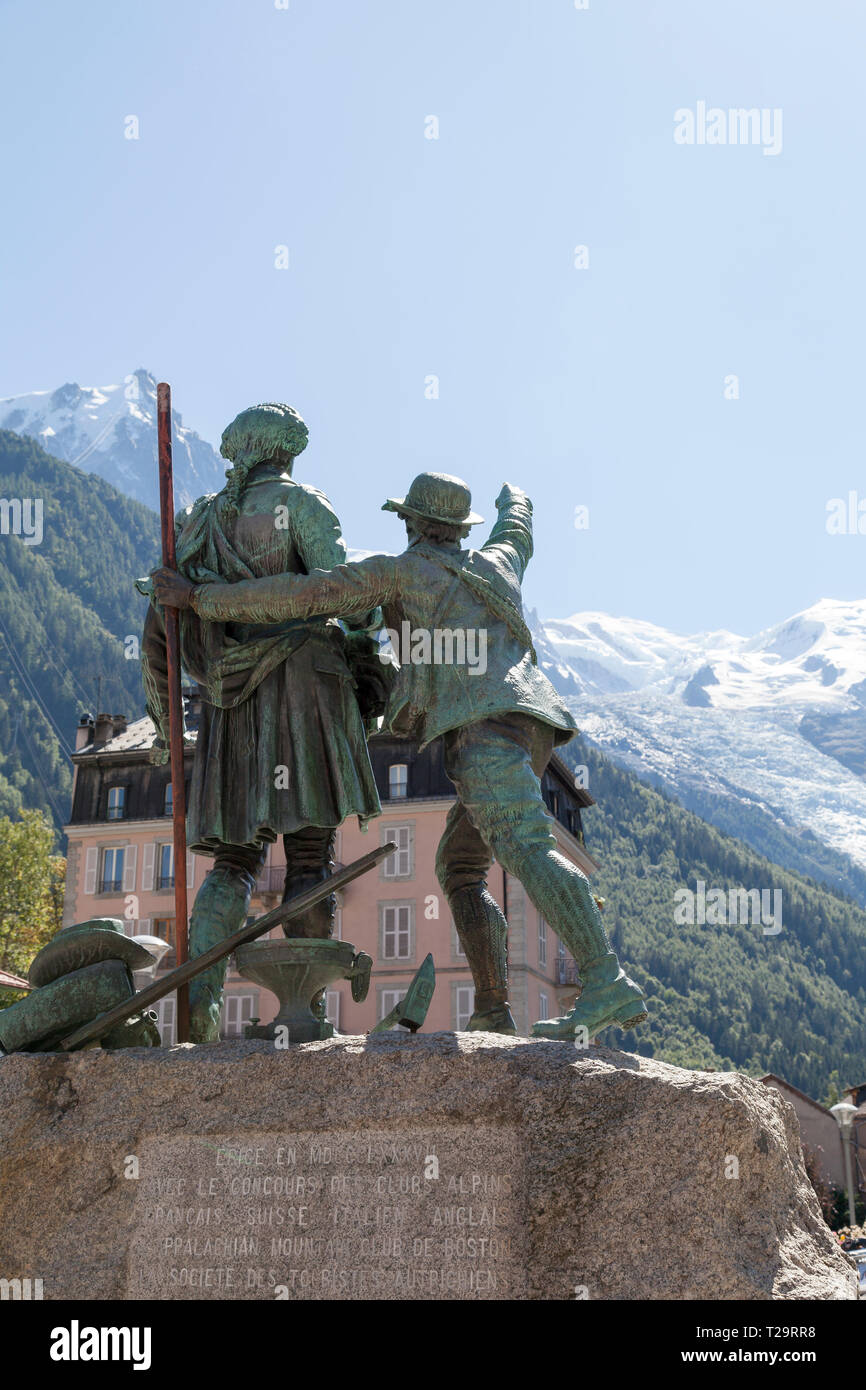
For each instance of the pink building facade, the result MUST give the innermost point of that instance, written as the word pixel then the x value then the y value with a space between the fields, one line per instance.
pixel 120 864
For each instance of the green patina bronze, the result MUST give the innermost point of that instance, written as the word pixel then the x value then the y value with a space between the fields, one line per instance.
pixel 95 1005
pixel 298 972
pixel 412 1009
pixel 82 972
pixel 281 748
pixel 499 722
pixel 86 943
pixel 54 1009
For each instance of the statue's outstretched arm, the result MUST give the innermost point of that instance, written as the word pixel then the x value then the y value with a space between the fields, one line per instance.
pixel 340 592
pixel 512 532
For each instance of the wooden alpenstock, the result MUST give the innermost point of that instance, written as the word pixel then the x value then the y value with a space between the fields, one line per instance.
pixel 175 703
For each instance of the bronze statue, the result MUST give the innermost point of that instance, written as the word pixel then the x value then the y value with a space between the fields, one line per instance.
pixel 499 720
pixel 281 747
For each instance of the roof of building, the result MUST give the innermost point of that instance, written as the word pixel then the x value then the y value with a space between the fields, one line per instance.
pixel 560 768
pixel 772 1079
pixel 139 736
pixel 8 981
pixel 136 737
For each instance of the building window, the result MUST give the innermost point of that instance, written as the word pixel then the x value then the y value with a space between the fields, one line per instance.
pixel 542 941
pixel 112 871
pixel 116 803
pixel 398 864
pixel 398 780
pixel 165 1019
pixel 388 1000
pixel 464 1006
pixel 236 1011
pixel 164 867
pixel 543 1005
pixel 163 927
pixel 332 1008
pixel 168 800
pixel 396 931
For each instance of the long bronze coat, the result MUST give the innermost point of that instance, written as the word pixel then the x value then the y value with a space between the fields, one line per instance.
pixel 281 742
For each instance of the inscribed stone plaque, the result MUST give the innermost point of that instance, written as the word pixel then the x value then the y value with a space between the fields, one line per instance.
pixel 337 1214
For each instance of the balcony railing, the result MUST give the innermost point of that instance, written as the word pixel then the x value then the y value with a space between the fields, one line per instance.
pixel 111 885
pixel 567 973
pixel 271 880
pixel 164 881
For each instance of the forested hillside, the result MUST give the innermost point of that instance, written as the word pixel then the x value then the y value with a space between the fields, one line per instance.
pixel 66 604
pixel 725 996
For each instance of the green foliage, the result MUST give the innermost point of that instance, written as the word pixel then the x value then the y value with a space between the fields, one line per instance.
pixel 793 847
pixel 725 996
pixel 31 892
pixel 65 607
pixel 838 1217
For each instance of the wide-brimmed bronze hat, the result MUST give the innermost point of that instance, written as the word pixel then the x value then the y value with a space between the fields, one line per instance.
pixel 437 497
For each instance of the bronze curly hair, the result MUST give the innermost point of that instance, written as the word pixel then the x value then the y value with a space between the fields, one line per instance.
pixel 270 432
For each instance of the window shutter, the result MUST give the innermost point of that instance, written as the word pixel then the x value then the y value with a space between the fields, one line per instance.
pixel 144 925
pixel 130 862
pixel 190 869
pixel 91 863
pixel 404 851
pixel 464 1005
pixel 165 1019
pixel 332 1007
pixel 398 864
pixel 147 868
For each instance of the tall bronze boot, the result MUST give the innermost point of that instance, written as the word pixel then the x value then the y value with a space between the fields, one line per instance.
pixel 221 907
pixel 483 933
pixel 564 898
pixel 309 861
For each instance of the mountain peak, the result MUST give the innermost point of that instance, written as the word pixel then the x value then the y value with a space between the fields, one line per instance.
pixel 111 431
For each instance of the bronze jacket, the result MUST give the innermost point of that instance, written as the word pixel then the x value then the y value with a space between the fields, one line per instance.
pixel 454 617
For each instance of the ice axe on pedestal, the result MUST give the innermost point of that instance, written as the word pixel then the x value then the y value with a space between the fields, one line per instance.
pixel 412 1010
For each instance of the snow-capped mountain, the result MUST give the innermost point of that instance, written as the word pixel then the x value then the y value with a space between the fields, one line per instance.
pixel 764 735
pixel 111 430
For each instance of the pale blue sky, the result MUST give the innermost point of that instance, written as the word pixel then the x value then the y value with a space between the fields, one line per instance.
pixel 261 126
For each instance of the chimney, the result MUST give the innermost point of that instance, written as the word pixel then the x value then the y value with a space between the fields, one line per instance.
pixel 119 722
pixel 104 728
pixel 84 732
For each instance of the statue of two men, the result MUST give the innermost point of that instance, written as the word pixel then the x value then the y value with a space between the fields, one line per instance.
pixel 281 746
pixel 499 725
